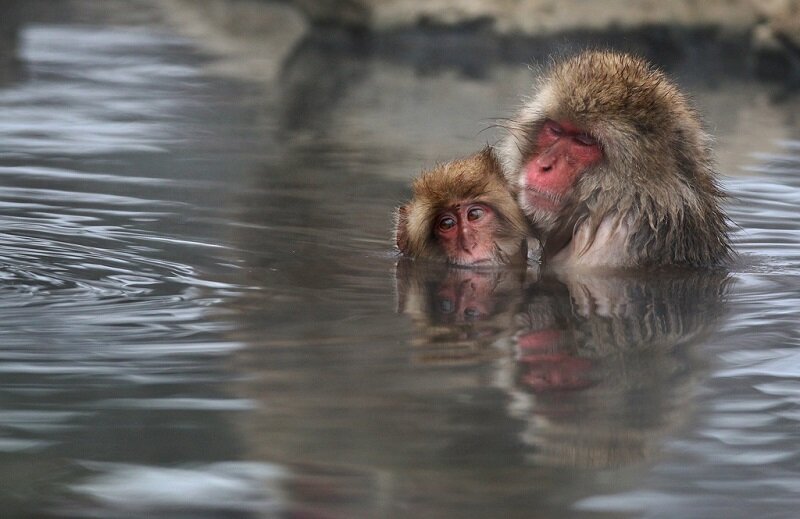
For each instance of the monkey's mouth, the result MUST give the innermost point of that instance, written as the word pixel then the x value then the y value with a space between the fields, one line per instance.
pixel 471 262
pixel 538 199
pixel 485 260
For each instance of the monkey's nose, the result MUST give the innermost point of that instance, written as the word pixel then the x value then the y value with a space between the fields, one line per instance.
pixel 544 163
pixel 468 242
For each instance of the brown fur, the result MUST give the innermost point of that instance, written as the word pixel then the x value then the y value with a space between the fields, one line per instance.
pixel 657 177
pixel 477 178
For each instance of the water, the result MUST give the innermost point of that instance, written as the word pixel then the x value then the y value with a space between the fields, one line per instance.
pixel 201 315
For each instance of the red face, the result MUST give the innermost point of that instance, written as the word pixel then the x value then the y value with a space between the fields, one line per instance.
pixel 466 233
pixel 563 152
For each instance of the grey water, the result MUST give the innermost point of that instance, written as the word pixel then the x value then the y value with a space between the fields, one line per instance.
pixel 201 314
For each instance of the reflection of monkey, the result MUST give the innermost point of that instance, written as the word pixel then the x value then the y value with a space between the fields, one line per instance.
pixel 458 313
pixel 547 356
pixel 614 169
pixel 463 212
pixel 606 362
pixel 597 367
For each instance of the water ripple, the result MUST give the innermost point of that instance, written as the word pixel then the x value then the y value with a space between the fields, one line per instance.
pixel 122 490
pixel 101 286
pixel 91 98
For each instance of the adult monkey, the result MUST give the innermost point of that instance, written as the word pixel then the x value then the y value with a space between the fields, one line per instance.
pixel 462 212
pixel 613 168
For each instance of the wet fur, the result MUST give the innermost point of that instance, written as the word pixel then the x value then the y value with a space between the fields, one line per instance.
pixel 657 178
pixel 477 178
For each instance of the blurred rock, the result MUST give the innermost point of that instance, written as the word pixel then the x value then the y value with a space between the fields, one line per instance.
pixel 776 39
pixel 260 35
pixel 263 34
pixel 782 18
pixel 348 13
pixel 527 17
pixel 8 44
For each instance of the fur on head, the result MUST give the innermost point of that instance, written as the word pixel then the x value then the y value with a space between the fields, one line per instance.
pixel 657 173
pixel 477 178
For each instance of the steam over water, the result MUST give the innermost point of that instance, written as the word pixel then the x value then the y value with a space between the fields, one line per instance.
pixel 201 316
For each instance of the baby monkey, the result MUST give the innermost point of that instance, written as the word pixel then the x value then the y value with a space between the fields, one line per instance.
pixel 463 212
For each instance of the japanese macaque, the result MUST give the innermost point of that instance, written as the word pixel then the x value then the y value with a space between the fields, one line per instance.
pixel 464 213
pixel 613 169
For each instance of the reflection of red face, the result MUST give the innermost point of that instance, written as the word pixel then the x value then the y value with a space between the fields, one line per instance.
pixel 545 366
pixel 466 296
pixel 557 372
pixel 563 152
pixel 466 233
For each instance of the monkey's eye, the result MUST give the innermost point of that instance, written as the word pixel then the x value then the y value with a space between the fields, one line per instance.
pixel 584 139
pixel 554 128
pixel 446 223
pixel 475 213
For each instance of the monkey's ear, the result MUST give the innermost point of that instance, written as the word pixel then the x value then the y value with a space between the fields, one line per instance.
pixel 401 233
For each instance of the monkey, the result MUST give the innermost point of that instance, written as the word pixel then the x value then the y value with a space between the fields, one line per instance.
pixel 463 212
pixel 612 167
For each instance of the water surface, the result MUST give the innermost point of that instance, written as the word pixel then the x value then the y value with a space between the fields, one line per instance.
pixel 202 316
